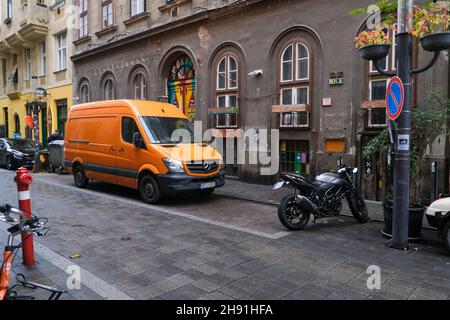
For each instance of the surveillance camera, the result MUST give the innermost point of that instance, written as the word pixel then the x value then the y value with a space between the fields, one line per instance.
pixel 256 73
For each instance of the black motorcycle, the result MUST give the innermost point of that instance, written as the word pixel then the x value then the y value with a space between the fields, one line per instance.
pixel 322 198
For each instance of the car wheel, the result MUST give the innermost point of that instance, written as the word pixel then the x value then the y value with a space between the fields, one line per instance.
pixel 80 179
pixel 149 190
pixel 9 163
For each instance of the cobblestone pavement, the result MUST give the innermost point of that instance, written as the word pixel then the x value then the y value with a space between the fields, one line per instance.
pixel 215 248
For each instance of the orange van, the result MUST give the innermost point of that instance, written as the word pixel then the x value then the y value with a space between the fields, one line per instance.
pixel 131 143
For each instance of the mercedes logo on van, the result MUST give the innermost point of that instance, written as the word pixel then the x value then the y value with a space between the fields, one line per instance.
pixel 206 166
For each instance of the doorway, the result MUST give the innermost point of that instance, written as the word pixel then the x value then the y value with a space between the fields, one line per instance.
pixel 44 126
pixel 5 115
pixel 61 111
pixel 17 134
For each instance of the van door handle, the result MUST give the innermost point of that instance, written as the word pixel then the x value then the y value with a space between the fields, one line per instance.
pixel 121 150
pixel 112 149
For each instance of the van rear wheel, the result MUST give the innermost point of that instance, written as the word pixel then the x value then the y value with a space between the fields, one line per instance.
pixel 80 179
pixel 149 190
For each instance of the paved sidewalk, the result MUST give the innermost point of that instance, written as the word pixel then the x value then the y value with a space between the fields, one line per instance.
pixel 154 252
pixel 45 273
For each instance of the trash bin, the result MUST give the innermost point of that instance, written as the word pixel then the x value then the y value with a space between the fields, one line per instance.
pixel 56 156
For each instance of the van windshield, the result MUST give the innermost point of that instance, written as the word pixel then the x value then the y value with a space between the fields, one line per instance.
pixel 161 130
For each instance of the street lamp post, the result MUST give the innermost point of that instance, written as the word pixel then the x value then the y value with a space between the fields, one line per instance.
pixel 402 156
pixel 402 125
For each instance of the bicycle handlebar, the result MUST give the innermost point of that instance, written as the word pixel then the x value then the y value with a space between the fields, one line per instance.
pixel 31 225
pixel 8 209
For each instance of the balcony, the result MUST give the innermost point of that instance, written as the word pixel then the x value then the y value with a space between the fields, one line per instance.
pixel 34 23
pixel 13 90
pixel 224 117
pixel 4 47
pixel 293 116
pixel 28 26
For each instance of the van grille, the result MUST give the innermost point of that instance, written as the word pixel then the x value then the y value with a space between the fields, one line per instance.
pixel 207 166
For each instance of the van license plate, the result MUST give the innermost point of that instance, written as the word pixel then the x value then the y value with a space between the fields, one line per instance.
pixel 207 185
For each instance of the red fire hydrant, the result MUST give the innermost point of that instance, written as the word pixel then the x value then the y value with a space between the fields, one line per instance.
pixel 23 180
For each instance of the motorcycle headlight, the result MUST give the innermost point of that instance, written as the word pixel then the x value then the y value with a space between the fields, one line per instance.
pixel 173 165
pixel 17 154
pixel 355 170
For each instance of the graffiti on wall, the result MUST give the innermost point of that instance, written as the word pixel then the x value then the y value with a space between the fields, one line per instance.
pixel 181 86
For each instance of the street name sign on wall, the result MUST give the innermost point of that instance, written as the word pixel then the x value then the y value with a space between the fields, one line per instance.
pixel 395 98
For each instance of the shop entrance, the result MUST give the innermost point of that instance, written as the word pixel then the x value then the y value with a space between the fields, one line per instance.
pixel 295 156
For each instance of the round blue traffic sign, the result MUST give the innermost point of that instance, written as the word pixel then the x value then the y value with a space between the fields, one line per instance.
pixel 395 97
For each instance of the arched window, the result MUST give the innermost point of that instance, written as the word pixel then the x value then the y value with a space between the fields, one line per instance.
pixel 227 93
pixel 84 92
pixel 139 87
pixel 295 84
pixel 109 90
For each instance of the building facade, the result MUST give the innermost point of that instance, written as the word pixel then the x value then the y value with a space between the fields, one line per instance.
pixel 260 64
pixel 35 49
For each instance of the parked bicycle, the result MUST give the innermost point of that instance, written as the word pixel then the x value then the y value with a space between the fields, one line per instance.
pixel 33 226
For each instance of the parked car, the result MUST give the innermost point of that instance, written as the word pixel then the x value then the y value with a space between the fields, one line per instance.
pixel 15 153
pixel 131 143
pixel 438 216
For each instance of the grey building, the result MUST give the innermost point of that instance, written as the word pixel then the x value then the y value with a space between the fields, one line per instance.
pixel 309 82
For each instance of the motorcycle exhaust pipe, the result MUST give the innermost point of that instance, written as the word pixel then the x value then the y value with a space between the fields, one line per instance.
pixel 307 205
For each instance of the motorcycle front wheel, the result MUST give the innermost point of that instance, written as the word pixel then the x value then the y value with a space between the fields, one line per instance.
pixel 358 208
pixel 290 214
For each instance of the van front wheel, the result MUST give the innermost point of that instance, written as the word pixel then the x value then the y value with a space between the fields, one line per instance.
pixel 80 179
pixel 149 190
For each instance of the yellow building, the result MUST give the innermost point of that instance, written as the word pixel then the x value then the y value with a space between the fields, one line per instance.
pixel 35 46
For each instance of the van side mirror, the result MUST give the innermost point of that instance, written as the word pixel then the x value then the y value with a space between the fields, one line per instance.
pixel 138 142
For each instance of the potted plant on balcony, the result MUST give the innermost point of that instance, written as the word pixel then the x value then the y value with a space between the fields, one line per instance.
pixel 427 125
pixel 373 44
pixel 431 25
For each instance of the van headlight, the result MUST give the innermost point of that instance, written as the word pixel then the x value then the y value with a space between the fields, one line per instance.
pixel 173 165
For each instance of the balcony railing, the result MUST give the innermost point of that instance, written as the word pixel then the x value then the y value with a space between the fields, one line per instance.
pixel 224 117
pixel 13 90
pixel 293 116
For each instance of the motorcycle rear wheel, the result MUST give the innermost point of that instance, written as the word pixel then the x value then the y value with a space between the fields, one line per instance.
pixel 358 208
pixel 290 214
